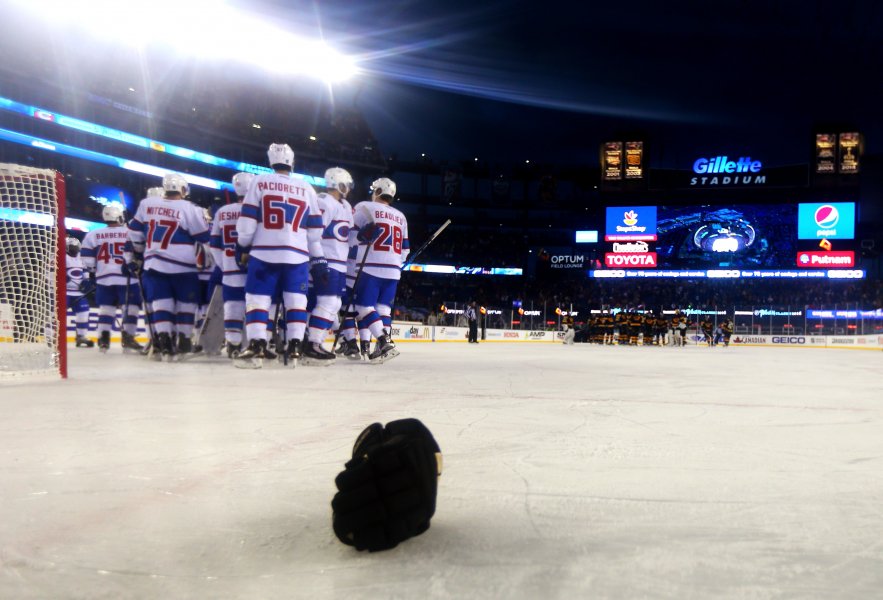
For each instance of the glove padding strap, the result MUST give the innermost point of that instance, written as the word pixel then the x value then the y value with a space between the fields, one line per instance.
pixel 388 489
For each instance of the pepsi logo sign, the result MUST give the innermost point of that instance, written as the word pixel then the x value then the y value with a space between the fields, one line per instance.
pixel 827 216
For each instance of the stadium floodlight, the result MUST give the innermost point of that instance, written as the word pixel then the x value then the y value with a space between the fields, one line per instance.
pixel 213 30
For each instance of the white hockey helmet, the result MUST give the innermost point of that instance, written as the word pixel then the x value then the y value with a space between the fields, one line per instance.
pixel 281 154
pixel 173 182
pixel 72 245
pixel 241 181
pixel 155 192
pixel 112 213
pixel 384 187
pixel 340 180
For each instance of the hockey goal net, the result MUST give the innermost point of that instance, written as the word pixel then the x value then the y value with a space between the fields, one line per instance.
pixel 33 337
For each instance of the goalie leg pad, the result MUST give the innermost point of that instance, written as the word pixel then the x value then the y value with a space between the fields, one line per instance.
pixel 387 492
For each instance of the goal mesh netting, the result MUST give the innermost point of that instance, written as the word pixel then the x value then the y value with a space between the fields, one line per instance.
pixel 32 279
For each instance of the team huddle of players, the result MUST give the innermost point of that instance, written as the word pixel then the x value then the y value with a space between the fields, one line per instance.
pixel 631 328
pixel 287 260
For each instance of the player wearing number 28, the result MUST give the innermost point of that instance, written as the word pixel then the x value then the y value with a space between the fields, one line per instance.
pixel 279 237
pixel 381 231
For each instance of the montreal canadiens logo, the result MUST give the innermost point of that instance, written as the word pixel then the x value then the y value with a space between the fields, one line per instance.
pixel 804 259
pixel 630 218
pixel 827 216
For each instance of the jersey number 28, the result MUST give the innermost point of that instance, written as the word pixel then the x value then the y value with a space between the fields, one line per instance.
pixel 390 238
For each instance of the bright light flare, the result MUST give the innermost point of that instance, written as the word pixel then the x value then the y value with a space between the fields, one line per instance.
pixel 207 29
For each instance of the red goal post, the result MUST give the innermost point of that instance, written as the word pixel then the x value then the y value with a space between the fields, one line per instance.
pixel 33 333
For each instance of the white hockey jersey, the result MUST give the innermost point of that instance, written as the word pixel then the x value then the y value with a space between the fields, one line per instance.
pixel 280 220
pixel 75 275
pixel 388 252
pixel 167 231
pixel 337 220
pixel 223 244
pixel 102 252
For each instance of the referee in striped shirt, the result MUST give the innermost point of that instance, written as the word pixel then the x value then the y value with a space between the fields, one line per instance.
pixel 472 318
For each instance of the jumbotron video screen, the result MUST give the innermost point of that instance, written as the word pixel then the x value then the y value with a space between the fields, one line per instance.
pixel 748 236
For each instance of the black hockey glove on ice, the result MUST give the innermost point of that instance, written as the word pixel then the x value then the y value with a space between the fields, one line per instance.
pixel 387 491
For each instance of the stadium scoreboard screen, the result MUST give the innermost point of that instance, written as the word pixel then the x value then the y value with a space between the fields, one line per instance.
pixel 806 241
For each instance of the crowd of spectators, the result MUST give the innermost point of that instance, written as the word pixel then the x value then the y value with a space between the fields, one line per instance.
pixel 423 292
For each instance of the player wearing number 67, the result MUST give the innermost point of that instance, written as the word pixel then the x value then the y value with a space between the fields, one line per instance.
pixel 279 237
pixel 381 235
pixel 163 235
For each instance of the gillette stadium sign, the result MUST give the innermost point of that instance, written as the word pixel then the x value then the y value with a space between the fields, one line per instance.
pixel 720 171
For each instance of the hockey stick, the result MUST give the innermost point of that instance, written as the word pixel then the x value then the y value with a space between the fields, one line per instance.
pixel 425 245
pixel 281 332
pixel 148 316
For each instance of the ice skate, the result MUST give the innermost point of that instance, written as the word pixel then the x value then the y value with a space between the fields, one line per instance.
pixel 103 342
pixel 294 352
pixel 84 342
pixel 365 349
pixel 315 355
pixel 351 350
pixel 186 349
pixel 253 356
pixel 233 350
pixel 131 345
pixel 384 350
pixel 164 347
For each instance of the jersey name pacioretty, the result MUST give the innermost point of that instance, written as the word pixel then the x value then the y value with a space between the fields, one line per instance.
pixel 275 186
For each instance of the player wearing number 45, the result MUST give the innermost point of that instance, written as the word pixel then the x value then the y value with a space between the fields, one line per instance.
pixel 163 235
pixel 381 233
pixel 279 237
pixel 115 287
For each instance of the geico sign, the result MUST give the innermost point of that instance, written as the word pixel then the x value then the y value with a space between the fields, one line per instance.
pixel 788 340
pixel 630 259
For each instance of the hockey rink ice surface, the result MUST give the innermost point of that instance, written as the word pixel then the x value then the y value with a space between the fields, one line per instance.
pixel 570 472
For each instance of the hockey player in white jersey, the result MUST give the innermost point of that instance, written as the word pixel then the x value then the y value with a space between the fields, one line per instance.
pixel 382 233
pixel 223 244
pixel 77 286
pixel 279 237
pixel 163 235
pixel 324 301
pixel 103 254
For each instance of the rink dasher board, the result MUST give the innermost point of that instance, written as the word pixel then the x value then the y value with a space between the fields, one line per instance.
pixel 408 333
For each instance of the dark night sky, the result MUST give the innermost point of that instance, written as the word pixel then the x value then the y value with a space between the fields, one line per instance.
pixel 508 81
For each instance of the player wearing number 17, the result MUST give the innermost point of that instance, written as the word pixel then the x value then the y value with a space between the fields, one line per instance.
pixel 163 235
pixel 279 236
